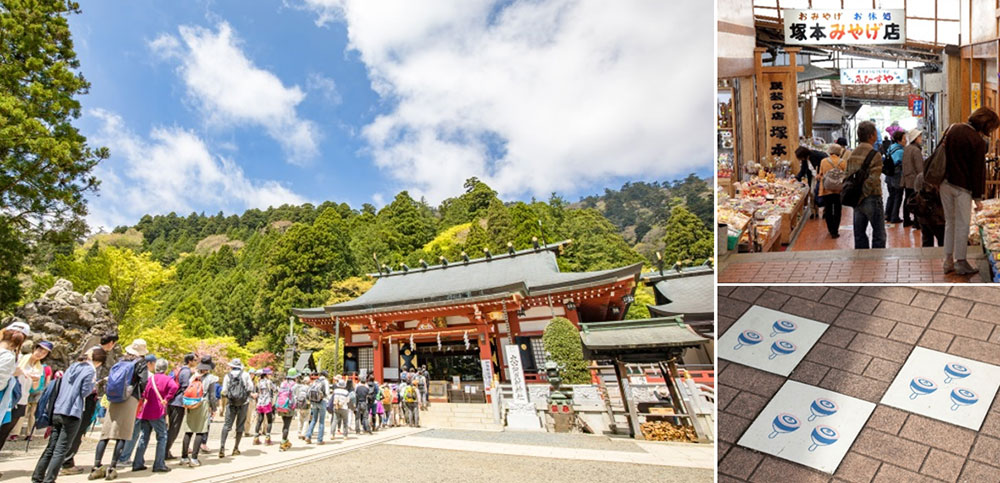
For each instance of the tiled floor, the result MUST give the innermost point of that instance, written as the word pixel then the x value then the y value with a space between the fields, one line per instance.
pixel 814 235
pixel 873 330
pixel 890 265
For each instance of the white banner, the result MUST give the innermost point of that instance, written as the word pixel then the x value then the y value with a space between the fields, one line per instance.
pixel 516 374
pixel 844 27
pixel 873 76
pixel 487 373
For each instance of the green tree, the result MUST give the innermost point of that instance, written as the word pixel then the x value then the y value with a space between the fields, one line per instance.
pixel 563 346
pixel 195 317
pixel 45 163
pixel 687 239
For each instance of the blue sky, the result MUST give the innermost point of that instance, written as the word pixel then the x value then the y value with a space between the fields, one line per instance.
pixel 225 105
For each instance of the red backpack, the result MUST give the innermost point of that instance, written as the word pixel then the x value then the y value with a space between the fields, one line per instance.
pixel 194 395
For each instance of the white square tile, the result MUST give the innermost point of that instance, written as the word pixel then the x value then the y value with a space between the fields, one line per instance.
pixel 769 340
pixel 808 425
pixel 948 388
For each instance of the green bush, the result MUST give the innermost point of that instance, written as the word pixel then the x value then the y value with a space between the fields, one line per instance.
pixel 562 343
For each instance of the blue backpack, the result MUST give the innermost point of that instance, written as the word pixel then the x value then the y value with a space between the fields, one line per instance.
pixel 120 381
pixel 47 404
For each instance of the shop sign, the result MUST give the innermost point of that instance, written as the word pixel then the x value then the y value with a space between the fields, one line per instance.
pixel 977 95
pixel 873 76
pixel 779 101
pixel 487 373
pixel 918 108
pixel 844 27
pixel 516 374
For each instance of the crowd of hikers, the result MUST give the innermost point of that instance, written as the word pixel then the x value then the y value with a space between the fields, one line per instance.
pixel 141 396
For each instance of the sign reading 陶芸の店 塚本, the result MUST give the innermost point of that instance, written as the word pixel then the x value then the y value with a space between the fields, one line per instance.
pixel 848 26
pixel 779 101
pixel 873 76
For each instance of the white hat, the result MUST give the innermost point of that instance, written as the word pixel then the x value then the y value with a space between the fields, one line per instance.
pixel 912 134
pixel 137 348
pixel 20 327
pixel 236 364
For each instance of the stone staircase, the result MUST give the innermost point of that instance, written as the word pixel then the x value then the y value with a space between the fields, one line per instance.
pixel 459 416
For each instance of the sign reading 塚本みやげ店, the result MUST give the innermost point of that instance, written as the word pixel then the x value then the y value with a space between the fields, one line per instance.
pixel 873 76
pixel 848 26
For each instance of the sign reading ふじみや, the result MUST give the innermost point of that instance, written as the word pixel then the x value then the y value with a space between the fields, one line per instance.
pixel 844 27
pixel 873 76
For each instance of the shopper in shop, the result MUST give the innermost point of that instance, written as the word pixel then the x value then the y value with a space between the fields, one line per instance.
pixel 964 184
pixel 892 167
pixel 927 211
pixel 833 168
pixel 913 164
pixel 809 159
pixel 869 211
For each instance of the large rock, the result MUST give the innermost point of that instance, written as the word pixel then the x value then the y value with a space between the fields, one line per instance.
pixel 68 319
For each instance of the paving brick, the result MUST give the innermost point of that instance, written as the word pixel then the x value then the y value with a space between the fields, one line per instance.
pixel 864 323
pixel 927 300
pixel 773 469
pixel 906 333
pixel 772 300
pixel 753 380
pixel 887 419
pixel 837 298
pixel 894 474
pixel 746 293
pixel 837 336
pixel 986 450
pixel 829 355
pixel 882 369
pixel 936 340
pixel 722 448
pixel 938 434
pixel 809 373
pixel 732 307
pixel 725 323
pixel 942 465
pixel 731 427
pixel 979 473
pixel 886 447
pixel 863 303
pixel 854 385
pixel 725 290
pixel 991 426
pixel 740 462
pixel 725 395
pixel 975 292
pixel 810 310
pixel 975 349
pixel 956 306
pixel 985 312
pixel 880 347
pixel 811 292
pixel 901 295
pixel 857 468
pixel 747 405
pixel 728 479
pixel 962 326
pixel 903 313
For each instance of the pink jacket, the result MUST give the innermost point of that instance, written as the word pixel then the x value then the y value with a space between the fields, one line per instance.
pixel 154 408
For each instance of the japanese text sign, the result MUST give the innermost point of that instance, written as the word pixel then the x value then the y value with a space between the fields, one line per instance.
pixel 873 76
pixel 839 27
pixel 779 102
pixel 517 382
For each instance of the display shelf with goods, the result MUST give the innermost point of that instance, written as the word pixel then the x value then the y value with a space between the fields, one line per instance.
pixel 987 229
pixel 727 137
pixel 775 206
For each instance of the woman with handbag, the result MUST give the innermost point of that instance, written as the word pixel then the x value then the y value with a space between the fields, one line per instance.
pixel 152 416
pixel 831 177
pixel 265 406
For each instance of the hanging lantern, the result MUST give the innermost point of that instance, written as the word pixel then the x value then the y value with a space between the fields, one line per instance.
pixel 439 340
pixel 465 337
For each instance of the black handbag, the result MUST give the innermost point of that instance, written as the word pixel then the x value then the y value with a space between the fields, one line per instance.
pixel 854 185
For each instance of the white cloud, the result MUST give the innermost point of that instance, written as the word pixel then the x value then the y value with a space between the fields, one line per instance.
pixel 325 86
pixel 171 170
pixel 231 90
pixel 534 96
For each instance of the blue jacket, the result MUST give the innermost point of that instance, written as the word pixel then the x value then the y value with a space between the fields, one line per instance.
pixel 77 384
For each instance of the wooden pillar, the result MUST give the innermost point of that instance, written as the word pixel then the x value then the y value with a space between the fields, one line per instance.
pixel 633 414
pixel 483 338
pixel 377 358
pixel 573 315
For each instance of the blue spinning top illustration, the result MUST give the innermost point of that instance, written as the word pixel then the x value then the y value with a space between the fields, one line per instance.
pixel 748 337
pixel 823 436
pixel 961 396
pixel 921 386
pixel 781 348
pixel 783 327
pixel 955 371
pixel 784 423
pixel 822 407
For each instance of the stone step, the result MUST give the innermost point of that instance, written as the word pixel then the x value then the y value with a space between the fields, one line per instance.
pixel 457 420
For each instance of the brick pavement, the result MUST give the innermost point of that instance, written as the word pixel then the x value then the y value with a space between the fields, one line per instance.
pixel 872 331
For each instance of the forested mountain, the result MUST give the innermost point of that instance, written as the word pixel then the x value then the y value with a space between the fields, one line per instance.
pixel 202 276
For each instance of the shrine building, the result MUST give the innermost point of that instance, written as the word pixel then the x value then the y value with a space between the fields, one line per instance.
pixel 454 316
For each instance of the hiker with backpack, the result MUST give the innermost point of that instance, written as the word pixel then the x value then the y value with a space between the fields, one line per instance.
pixel 386 405
pixel 832 172
pixel 411 400
pixel 67 409
pixel 11 339
pixel 964 183
pixel 236 388
pixel 176 411
pixel 361 411
pixel 265 407
pixel 200 403
pixel 126 382
pixel 302 403
pixel 31 380
pixel 913 164
pixel 340 405
pixel 317 395
pixel 374 400
pixel 863 189
pixel 284 405
pixel 892 168
pixel 152 414
pixel 107 342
